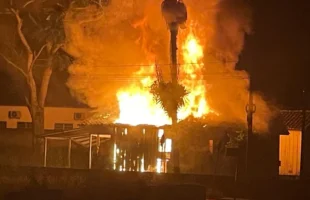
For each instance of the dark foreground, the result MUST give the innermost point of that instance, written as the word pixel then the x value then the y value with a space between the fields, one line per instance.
pixel 68 184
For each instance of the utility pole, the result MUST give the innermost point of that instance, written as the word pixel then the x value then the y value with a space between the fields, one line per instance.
pixel 250 109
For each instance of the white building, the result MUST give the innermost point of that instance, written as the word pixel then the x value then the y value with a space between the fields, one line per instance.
pixel 59 118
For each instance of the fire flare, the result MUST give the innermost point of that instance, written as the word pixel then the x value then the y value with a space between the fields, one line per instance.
pixel 137 105
pixel 193 80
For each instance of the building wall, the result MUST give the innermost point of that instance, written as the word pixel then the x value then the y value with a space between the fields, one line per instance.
pixel 305 164
pixel 290 153
pixel 63 115
pixel 53 115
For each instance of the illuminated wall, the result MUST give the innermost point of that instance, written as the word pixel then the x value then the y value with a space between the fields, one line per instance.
pixel 290 153
pixel 53 115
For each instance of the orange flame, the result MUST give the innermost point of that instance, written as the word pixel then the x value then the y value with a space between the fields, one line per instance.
pixel 193 80
pixel 137 105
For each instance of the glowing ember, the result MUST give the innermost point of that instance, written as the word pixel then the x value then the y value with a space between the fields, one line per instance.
pixel 136 102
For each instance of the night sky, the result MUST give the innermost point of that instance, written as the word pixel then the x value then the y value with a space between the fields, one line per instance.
pixel 276 55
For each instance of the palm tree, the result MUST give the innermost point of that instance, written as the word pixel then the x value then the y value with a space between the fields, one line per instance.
pixel 171 95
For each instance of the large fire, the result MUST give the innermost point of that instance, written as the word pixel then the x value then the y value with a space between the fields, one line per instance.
pixel 137 105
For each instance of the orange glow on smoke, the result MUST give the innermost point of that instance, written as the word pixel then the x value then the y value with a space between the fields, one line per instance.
pixel 136 102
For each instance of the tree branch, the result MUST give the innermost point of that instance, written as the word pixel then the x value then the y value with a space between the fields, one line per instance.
pixel 44 84
pixel 58 46
pixel 98 3
pixel 14 65
pixel 33 20
pixel 38 55
pixel 97 18
pixel 29 2
pixel 27 102
pixel 23 39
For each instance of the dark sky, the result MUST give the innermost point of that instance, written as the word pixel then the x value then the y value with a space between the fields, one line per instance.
pixel 276 54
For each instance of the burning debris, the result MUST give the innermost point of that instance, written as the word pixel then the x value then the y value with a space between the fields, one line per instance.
pixel 141 148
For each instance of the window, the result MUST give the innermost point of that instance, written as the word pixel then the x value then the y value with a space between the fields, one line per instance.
pixel 24 125
pixel 59 126
pixel 68 126
pixel 62 126
pixel 2 125
pixel 79 116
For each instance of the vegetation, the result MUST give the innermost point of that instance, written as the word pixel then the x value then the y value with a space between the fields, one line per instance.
pixel 170 96
pixel 40 36
pixel 198 155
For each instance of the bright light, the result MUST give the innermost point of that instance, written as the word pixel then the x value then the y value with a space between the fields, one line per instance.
pixel 136 103
pixel 104 136
pixel 114 157
pixel 160 133
pixel 158 165
pixel 124 163
pixel 142 164
pixel 168 145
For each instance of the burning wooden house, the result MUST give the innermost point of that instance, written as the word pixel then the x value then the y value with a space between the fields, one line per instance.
pixel 143 148
pixel 117 147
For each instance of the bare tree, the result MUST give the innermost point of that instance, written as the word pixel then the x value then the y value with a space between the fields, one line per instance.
pixel 48 46
pixel 41 36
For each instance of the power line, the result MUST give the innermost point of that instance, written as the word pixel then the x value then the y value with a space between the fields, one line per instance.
pixel 162 64
pixel 152 75
pixel 137 80
pixel 142 77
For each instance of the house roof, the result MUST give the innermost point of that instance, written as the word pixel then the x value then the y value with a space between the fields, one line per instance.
pixel 293 119
pixel 285 120
pixel 81 136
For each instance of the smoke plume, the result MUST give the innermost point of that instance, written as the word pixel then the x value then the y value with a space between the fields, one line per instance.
pixel 130 33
